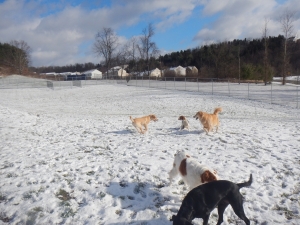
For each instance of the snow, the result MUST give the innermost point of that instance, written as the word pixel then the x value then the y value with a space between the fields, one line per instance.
pixel 289 78
pixel 72 156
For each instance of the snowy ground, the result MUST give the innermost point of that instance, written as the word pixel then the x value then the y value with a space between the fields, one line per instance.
pixel 71 156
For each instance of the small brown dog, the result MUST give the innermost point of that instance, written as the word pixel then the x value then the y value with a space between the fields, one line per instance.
pixel 209 121
pixel 184 123
pixel 141 122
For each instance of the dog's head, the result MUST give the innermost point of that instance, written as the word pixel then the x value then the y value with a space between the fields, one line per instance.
pixel 181 118
pixel 198 115
pixel 153 117
pixel 180 221
pixel 209 176
pixel 180 155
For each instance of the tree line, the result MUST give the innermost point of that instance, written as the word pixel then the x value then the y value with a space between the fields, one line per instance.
pixel 238 59
pixel 15 55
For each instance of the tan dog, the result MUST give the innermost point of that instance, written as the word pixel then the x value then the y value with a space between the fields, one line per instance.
pixel 141 122
pixel 184 123
pixel 209 121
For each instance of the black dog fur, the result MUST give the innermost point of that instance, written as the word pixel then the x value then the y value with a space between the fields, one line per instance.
pixel 200 201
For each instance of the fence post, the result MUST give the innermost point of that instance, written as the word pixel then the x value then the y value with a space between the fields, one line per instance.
pixel 174 84
pixel 212 86
pixel 248 92
pixel 185 84
pixel 228 89
pixel 165 83
pixel 271 93
pixel 297 97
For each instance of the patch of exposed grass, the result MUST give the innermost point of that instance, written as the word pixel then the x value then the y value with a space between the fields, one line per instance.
pixel 130 197
pixel 4 218
pixel 11 175
pixel 123 184
pixel 287 213
pixel 118 212
pixel 28 195
pixel 101 195
pixel 38 209
pixel 63 195
pixel 6 165
pixel 68 212
pixel 139 189
pixel 89 181
pixel 2 197
pixel 90 173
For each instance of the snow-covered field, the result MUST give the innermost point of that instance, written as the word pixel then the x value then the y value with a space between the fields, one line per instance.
pixel 71 156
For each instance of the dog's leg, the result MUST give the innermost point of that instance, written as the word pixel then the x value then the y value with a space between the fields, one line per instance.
pixel 173 173
pixel 181 127
pixel 136 127
pixel 139 129
pixel 205 219
pixel 221 208
pixel 238 208
pixel 146 128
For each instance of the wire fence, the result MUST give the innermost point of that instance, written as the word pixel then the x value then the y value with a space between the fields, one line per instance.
pixel 273 93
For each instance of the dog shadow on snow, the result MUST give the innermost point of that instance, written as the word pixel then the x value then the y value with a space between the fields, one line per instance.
pixel 132 198
pixel 122 132
pixel 177 131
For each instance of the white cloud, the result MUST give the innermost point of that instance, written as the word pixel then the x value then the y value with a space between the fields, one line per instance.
pixel 56 38
pixel 242 19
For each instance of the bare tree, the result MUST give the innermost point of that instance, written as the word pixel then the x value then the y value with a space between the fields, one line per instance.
pixel 266 43
pixel 147 47
pixel 131 48
pixel 19 56
pixel 105 45
pixel 287 28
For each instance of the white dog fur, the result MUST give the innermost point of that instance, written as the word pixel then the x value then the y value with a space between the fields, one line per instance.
pixel 192 172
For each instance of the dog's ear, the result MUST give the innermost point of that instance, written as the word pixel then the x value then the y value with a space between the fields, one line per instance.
pixel 208 176
pixel 153 117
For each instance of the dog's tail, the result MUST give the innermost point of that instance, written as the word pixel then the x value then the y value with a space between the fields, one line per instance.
pixel 131 118
pixel 217 110
pixel 246 184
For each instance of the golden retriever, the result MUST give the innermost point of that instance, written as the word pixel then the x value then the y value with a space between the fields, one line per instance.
pixel 209 121
pixel 141 122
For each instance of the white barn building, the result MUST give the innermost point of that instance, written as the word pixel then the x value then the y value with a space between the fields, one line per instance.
pixel 93 74
pixel 179 70
pixel 155 73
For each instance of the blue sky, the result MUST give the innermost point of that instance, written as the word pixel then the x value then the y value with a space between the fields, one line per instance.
pixel 62 32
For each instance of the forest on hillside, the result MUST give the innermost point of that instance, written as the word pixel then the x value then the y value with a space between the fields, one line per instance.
pixel 242 59
pixel 237 59
pixel 248 59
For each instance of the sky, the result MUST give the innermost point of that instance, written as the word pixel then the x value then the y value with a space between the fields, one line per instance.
pixel 62 32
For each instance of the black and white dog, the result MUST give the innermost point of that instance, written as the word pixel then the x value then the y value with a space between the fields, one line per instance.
pixel 200 201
